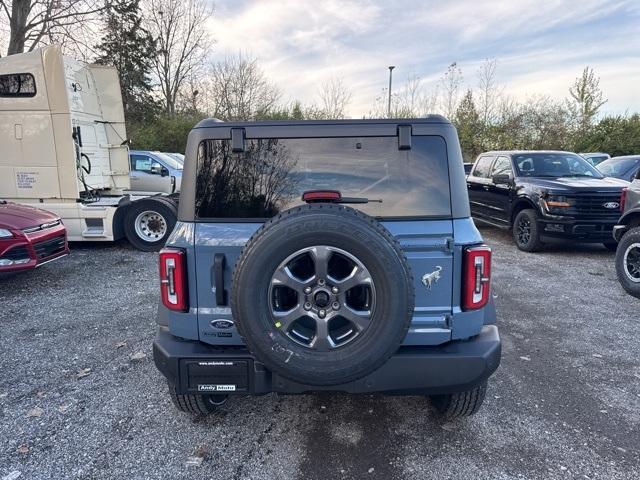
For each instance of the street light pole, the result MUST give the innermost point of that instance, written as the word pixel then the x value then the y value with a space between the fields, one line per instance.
pixel 391 67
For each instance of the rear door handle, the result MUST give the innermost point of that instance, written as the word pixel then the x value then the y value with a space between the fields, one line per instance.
pixel 218 269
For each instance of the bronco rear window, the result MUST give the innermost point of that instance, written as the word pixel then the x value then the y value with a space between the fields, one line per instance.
pixel 271 175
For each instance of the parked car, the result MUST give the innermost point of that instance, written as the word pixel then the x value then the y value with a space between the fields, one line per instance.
pixel 544 194
pixel 333 256
pixel 178 156
pixel 154 172
pixel 595 158
pixel 624 168
pixel 627 233
pixel 29 237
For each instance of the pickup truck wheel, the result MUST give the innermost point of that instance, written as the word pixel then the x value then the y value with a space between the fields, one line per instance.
pixel 322 294
pixel 628 262
pixel 197 405
pixel 461 404
pixel 525 231
pixel 148 223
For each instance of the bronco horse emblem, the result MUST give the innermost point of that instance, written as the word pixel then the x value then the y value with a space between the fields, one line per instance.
pixel 428 279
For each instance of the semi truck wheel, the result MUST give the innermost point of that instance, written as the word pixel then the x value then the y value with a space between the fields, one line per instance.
pixel 149 222
pixel 196 404
pixel 461 404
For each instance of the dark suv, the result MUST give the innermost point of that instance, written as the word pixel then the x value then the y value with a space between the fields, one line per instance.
pixel 544 194
pixel 332 255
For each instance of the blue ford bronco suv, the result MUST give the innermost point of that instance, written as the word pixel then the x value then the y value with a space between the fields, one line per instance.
pixel 326 255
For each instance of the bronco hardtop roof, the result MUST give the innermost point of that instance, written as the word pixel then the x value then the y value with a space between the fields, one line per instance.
pixel 214 122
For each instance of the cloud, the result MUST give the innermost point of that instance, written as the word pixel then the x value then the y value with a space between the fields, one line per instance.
pixel 541 46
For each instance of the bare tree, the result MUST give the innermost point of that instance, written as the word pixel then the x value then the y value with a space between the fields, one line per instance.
pixel 178 27
pixel 488 90
pixel 240 90
pixel 334 98
pixel 411 100
pixel 33 21
pixel 451 83
pixel 586 98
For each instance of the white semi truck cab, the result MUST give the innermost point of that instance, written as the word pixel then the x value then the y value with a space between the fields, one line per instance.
pixel 65 149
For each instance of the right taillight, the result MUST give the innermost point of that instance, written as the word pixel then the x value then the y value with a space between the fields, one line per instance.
pixel 476 278
pixel 623 198
pixel 173 279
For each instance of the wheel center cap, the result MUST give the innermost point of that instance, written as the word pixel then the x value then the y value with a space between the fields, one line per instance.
pixel 321 299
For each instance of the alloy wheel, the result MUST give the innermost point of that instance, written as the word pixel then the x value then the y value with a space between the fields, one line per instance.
pixel 322 297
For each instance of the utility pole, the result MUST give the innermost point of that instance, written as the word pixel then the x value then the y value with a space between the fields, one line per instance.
pixel 391 67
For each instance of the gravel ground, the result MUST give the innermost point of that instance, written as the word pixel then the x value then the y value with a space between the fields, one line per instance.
pixel 80 397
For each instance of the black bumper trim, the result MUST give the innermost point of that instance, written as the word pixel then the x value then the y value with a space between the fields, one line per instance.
pixel 452 367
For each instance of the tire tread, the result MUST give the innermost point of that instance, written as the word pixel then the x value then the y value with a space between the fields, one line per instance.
pixel 460 404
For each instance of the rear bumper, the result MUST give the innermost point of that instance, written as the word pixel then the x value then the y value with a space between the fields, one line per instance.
pixel 196 367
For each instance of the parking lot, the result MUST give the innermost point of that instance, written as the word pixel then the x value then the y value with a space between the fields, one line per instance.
pixel 81 398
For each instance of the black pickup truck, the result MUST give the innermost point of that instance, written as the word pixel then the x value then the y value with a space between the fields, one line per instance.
pixel 544 194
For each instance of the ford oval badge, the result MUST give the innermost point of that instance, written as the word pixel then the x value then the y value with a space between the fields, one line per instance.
pixel 222 324
pixel 611 205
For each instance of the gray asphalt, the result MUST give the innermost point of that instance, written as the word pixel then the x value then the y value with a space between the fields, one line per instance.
pixel 565 402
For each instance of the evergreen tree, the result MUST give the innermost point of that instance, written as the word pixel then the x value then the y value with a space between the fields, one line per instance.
pixel 467 121
pixel 130 49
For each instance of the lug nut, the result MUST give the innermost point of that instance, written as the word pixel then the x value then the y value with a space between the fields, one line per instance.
pixel 334 290
pixel 307 290
pixel 335 305
pixel 307 306
pixel 321 282
pixel 322 313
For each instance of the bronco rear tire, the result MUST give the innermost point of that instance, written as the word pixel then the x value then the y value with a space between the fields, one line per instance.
pixel 461 404
pixel 628 262
pixel 322 294
pixel 196 404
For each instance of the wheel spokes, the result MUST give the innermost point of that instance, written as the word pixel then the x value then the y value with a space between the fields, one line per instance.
pixel 359 318
pixel 358 276
pixel 320 255
pixel 314 300
pixel 284 320
pixel 322 341
pixel 284 277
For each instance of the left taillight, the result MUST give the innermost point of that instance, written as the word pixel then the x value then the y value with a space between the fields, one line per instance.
pixel 476 278
pixel 173 279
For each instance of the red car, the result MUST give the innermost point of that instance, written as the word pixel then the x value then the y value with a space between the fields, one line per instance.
pixel 29 237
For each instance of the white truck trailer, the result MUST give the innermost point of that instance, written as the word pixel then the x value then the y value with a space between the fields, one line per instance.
pixel 64 149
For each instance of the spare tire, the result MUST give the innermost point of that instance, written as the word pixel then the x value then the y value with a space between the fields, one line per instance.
pixel 322 294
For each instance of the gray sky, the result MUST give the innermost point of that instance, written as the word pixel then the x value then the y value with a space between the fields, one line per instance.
pixel 540 46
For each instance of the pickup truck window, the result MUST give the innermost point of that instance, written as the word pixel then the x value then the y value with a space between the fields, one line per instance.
pixel 502 166
pixel 141 163
pixel 554 165
pixel 271 175
pixel 483 164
